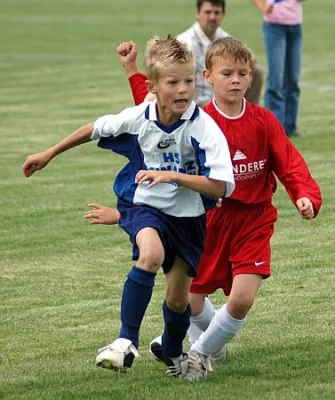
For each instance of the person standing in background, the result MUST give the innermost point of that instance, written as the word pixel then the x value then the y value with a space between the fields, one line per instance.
pixel 200 36
pixel 282 30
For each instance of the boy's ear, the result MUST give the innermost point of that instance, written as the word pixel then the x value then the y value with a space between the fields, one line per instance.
pixel 151 86
pixel 207 76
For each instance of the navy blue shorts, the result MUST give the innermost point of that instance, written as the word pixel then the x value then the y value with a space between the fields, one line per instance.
pixel 181 236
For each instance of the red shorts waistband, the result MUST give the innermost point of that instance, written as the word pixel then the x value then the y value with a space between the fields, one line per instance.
pixel 238 205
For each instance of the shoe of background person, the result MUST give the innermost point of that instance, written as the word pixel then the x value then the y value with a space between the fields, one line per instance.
pixel 176 367
pixel 219 356
pixel 198 366
pixel 296 134
pixel 117 356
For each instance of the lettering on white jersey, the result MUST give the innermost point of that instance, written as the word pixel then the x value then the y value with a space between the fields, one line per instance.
pixel 172 162
pixel 239 155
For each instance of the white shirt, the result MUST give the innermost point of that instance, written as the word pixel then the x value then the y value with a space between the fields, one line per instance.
pixel 194 145
pixel 197 41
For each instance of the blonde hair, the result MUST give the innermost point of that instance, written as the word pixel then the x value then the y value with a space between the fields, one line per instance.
pixel 163 52
pixel 228 46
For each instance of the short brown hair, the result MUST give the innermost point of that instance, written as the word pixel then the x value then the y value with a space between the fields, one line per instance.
pixel 228 46
pixel 216 3
pixel 162 52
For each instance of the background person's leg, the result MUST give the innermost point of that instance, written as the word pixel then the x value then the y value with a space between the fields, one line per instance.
pixel 275 46
pixel 292 77
pixel 253 93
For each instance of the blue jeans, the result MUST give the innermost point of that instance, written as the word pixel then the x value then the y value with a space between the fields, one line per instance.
pixel 283 45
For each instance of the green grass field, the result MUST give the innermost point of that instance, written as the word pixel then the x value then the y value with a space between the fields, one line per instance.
pixel 61 279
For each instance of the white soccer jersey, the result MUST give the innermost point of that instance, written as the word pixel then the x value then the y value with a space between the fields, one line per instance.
pixel 193 145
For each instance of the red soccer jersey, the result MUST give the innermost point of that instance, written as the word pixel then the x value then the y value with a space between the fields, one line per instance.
pixel 138 87
pixel 259 148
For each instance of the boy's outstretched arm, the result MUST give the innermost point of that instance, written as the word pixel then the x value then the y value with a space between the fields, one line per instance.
pixel 38 161
pixel 292 171
pixel 139 88
pixel 128 54
pixel 102 214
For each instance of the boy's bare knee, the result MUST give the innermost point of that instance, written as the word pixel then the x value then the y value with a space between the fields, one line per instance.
pixel 197 304
pixel 177 304
pixel 239 305
pixel 151 260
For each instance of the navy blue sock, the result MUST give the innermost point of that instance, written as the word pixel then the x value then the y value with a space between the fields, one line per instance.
pixel 136 296
pixel 176 326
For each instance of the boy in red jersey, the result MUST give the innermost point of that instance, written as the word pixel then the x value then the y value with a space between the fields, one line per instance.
pixel 237 250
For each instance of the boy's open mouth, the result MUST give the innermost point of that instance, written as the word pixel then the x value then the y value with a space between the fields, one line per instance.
pixel 181 101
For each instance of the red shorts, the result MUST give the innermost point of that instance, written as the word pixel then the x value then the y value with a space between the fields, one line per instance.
pixel 237 242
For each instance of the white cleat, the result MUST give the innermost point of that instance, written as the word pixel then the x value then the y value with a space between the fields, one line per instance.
pixel 117 356
pixel 219 356
pixel 198 366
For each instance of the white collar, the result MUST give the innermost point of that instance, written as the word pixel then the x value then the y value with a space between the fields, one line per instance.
pixel 227 116
pixel 203 37
pixel 152 115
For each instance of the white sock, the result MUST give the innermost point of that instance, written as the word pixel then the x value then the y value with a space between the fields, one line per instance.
pixel 201 322
pixel 221 330
pixel 193 333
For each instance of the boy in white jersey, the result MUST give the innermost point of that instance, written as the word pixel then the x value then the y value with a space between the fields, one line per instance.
pixel 179 164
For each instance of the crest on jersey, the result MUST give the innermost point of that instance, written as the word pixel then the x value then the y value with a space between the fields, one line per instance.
pixel 239 155
pixel 164 144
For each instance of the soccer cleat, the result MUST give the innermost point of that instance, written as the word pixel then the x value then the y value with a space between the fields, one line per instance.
pixel 176 367
pixel 219 356
pixel 117 356
pixel 198 366
pixel 156 349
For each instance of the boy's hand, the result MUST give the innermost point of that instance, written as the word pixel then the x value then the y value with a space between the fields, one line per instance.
pixel 102 215
pixel 35 162
pixel 154 177
pixel 305 208
pixel 128 53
